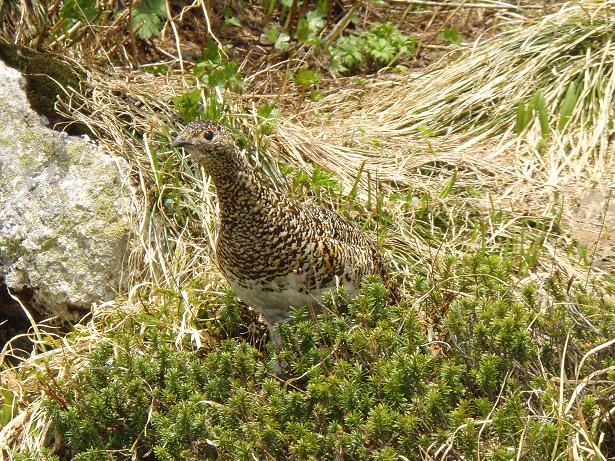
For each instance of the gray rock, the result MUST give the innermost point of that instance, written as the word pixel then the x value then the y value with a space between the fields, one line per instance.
pixel 64 210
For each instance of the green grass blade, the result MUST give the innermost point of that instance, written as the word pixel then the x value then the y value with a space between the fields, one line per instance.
pixel 543 116
pixel 568 104
pixel 449 186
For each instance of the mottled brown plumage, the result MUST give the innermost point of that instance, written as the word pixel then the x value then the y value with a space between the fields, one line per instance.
pixel 274 251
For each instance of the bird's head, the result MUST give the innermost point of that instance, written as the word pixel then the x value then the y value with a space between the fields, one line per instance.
pixel 207 142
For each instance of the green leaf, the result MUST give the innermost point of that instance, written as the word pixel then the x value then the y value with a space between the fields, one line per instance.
pixel 229 17
pixel 267 114
pixel 282 41
pixel 309 26
pixel 220 75
pixel 303 31
pixel 268 110
pixel 147 25
pixel 347 52
pixel 426 131
pixel 538 101
pixel 7 408
pixel 568 104
pixel 315 21
pixel 322 7
pixel 524 115
pixel 152 6
pixel 316 96
pixel 188 105
pixel 336 66
pixel 383 42
pixel 451 35
pixel 271 34
pixel 382 50
pixel 449 186
pixel 79 10
pixel 147 18
pixel 156 68
pixel 323 180
pixel 233 21
pixel 306 77
pixel 285 169
pixel 355 185
pixel 211 52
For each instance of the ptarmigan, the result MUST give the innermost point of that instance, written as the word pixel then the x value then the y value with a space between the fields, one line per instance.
pixel 274 251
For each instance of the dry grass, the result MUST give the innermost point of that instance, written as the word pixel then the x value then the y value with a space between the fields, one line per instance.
pixel 470 103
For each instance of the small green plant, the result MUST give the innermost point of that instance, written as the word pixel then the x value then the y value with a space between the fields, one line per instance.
pixel 78 10
pixel 216 70
pixel 307 31
pixel 568 104
pixel 310 26
pixel 267 114
pixel 526 112
pixel 279 39
pixel 230 18
pixel 307 78
pixel 319 184
pixel 379 46
pixel 217 74
pixel 147 18
pixel 451 35
pixel 537 106
pixel 188 105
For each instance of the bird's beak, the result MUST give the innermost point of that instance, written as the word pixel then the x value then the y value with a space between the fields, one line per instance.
pixel 180 142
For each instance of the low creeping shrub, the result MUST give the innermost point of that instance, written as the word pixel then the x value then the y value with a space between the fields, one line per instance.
pixel 365 380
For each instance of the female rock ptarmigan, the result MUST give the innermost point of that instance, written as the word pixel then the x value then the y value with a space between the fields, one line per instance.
pixel 274 251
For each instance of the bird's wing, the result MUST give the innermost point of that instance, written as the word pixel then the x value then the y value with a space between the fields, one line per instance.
pixel 341 248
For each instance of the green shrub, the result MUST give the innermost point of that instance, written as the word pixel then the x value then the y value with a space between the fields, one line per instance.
pixel 379 46
pixel 361 382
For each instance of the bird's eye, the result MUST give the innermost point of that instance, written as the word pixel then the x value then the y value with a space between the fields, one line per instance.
pixel 209 135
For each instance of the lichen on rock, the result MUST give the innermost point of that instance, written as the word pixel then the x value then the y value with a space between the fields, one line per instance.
pixel 65 214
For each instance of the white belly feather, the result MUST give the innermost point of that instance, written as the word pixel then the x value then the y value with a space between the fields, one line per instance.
pixel 274 299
